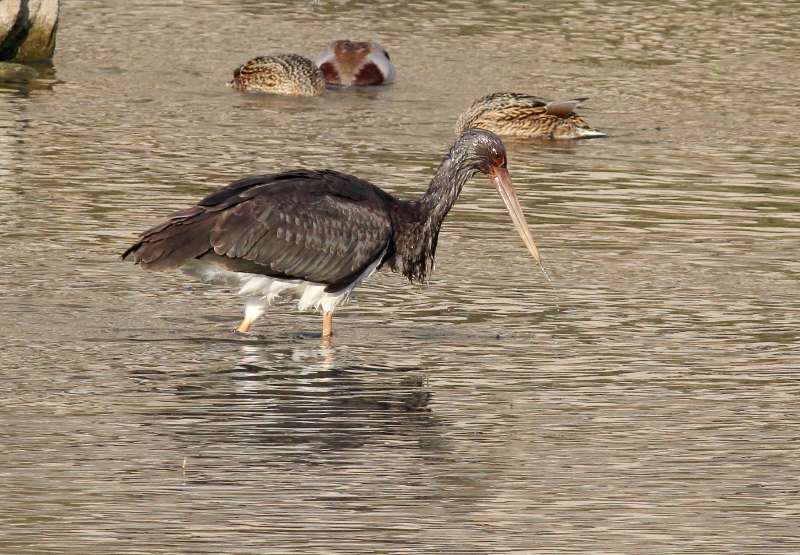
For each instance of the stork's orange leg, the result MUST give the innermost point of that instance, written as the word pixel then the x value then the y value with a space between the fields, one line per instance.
pixel 327 325
pixel 246 324
pixel 252 311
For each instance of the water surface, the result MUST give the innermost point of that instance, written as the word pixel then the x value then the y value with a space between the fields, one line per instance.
pixel 647 403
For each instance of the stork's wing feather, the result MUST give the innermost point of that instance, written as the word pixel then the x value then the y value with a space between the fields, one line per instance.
pixel 319 232
pixel 324 227
pixel 182 237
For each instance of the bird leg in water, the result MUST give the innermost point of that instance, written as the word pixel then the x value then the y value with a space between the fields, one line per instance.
pixel 327 325
pixel 245 326
pixel 252 311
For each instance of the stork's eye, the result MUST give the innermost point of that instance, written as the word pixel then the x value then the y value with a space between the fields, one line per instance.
pixel 498 158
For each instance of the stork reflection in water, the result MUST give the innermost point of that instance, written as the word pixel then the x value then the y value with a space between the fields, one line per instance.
pixel 318 234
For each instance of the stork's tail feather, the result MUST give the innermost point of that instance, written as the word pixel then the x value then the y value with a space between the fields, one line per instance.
pixel 185 236
pixel 130 250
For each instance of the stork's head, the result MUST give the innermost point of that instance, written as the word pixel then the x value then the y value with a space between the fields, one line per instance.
pixel 483 151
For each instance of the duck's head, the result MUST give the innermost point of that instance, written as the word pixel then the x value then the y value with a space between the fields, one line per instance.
pixel 347 63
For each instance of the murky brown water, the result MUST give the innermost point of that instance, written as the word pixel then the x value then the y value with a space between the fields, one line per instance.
pixel 655 412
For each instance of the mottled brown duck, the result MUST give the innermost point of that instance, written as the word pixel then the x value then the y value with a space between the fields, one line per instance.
pixel 347 63
pixel 524 115
pixel 288 74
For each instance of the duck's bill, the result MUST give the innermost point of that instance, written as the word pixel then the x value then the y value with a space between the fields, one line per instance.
pixel 500 178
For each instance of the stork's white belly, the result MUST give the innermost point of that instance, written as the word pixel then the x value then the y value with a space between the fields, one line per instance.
pixel 260 291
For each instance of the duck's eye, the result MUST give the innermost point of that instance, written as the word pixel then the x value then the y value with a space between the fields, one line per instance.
pixel 385 53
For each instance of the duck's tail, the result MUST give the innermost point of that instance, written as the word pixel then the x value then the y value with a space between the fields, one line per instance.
pixel 588 133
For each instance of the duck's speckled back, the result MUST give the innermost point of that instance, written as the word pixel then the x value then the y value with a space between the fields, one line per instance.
pixel 288 74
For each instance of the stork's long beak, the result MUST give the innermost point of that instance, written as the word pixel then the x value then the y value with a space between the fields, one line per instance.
pixel 500 179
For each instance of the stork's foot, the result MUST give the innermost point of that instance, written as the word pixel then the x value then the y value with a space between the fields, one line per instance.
pixel 244 327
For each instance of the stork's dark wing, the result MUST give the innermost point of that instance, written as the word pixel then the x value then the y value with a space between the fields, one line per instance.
pixel 324 227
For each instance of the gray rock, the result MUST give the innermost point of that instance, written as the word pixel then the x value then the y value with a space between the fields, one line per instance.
pixel 28 29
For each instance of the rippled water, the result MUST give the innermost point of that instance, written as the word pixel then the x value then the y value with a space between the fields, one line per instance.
pixel 646 404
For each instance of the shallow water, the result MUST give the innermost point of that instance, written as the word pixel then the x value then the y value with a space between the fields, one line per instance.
pixel 646 403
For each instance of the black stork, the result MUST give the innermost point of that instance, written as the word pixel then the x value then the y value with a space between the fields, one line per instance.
pixel 320 233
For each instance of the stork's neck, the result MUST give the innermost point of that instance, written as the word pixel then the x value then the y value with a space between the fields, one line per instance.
pixel 417 223
pixel 443 191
